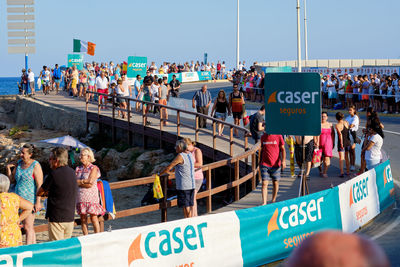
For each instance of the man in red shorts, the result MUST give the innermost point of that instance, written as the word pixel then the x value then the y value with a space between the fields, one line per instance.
pixel 273 156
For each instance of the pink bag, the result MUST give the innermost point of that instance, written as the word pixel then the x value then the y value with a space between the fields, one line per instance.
pixel 316 159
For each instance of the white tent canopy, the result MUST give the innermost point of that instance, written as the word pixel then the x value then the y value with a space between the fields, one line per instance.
pixel 65 141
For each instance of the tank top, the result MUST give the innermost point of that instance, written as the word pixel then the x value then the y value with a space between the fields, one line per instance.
pixel 26 186
pixel 198 175
pixel 237 104
pixel 221 107
pixel 164 91
pixel 184 173
pixel 345 137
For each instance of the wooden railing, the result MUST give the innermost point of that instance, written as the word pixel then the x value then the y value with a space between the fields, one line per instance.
pixel 233 161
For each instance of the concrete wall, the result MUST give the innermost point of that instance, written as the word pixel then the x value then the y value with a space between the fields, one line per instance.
pixel 38 115
pixel 333 63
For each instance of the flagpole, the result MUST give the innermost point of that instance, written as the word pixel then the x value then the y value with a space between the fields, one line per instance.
pixel 237 37
pixel 298 38
pixel 305 31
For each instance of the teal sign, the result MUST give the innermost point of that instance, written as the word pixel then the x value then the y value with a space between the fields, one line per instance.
pixel 75 60
pixel 58 253
pixel 136 65
pixel 269 233
pixel 293 103
pixel 204 75
pixel 277 69
pixel 385 185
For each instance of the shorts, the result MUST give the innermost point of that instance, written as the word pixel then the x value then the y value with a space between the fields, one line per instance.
pixel 57 81
pixel 162 102
pixel 298 151
pixel 349 96
pixel 332 95
pixel 60 230
pixel 324 95
pixel 91 87
pixel 185 198
pixel 197 184
pixel 344 149
pixel 84 85
pixel 74 83
pixel 46 83
pixel 365 97
pixel 270 173
pixel 121 100
pixel 237 115
pixel 220 115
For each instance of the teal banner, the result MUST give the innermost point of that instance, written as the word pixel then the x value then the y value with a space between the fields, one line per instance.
pixel 277 69
pixel 75 60
pixel 293 103
pixel 58 253
pixel 385 185
pixel 136 65
pixel 204 75
pixel 269 233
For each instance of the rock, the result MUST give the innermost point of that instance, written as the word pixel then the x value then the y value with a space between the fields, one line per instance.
pixel 137 169
pixel 111 160
pixel 127 154
pixel 160 167
pixel 2 110
pixel 169 157
pixel 146 156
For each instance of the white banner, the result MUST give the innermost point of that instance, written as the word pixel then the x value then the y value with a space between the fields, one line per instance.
pixel 211 240
pixel 359 201
pixel 190 77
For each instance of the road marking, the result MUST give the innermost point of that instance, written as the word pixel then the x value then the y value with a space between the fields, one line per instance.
pixel 387 229
pixel 391 132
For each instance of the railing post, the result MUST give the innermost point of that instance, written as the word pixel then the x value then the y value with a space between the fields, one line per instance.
pixel 237 187
pixel 214 138
pixel 246 147
pixel 113 119
pixel 87 109
pixel 196 138
pixel 164 186
pixel 253 169
pixel 178 123
pixel 129 123
pixel 208 188
pixel 161 125
pixel 231 141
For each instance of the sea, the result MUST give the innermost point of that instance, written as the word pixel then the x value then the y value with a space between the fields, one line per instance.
pixel 9 86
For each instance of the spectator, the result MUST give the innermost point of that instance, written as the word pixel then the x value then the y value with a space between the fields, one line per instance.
pixel 88 203
pixel 101 86
pixel 61 189
pixel 272 160
pixel 372 150
pixel 334 248
pixel 342 130
pixel 146 92
pixel 136 91
pixel 236 105
pixel 201 101
pixel 31 81
pixel 74 81
pixel 354 122
pixel 57 77
pixel 10 233
pixel 45 76
pixel 163 91
pixel 309 149
pixel 219 110
pixel 198 173
pixel 326 143
pixel 175 85
pixel 26 187
pixel 184 175
pixel 257 124
pixel 24 82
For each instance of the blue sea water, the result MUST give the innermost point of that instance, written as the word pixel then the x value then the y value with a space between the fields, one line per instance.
pixel 8 85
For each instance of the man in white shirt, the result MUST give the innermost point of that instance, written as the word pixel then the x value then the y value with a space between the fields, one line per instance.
pixel 341 86
pixel 45 76
pixel 31 81
pixel 101 86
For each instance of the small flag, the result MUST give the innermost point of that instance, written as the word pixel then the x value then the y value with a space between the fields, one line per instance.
pixel 85 47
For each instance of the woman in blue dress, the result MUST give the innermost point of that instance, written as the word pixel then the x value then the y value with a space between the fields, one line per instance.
pixel 28 176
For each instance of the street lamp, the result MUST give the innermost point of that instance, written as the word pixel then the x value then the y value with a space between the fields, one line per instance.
pixel 305 31
pixel 237 37
pixel 298 38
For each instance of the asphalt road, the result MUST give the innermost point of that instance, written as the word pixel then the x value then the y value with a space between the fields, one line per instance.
pixel 385 229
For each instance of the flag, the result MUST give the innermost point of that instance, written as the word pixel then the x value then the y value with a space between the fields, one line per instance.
pixel 85 47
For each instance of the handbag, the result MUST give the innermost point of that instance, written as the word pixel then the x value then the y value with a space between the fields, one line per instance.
pixel 157 190
pixel 246 120
pixel 316 159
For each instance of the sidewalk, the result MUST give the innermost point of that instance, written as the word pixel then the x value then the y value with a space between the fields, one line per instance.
pixel 289 187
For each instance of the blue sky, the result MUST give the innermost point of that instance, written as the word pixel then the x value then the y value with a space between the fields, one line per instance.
pixel 182 30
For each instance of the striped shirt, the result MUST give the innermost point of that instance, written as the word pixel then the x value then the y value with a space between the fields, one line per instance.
pixel 202 98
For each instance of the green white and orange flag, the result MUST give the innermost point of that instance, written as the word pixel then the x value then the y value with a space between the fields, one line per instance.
pixel 85 47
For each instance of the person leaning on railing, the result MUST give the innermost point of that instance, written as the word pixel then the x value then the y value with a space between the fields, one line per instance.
pixel 184 176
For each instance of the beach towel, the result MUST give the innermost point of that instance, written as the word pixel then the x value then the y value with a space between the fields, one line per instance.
pixel 106 198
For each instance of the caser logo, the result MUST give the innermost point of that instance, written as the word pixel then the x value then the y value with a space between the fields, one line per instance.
pixel 288 97
pixel 387 175
pixel 297 215
pixel 358 191
pixel 137 65
pixel 167 242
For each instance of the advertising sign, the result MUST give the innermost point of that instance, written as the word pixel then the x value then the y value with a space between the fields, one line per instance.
pixel 293 103
pixel 190 77
pixel 75 60
pixel 211 240
pixel 271 232
pixel 385 185
pixel 204 75
pixel 359 201
pixel 137 65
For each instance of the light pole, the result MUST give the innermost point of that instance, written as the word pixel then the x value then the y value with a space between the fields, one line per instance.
pixel 237 37
pixel 298 38
pixel 305 31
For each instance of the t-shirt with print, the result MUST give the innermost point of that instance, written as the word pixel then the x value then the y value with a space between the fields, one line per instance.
pixel 270 150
